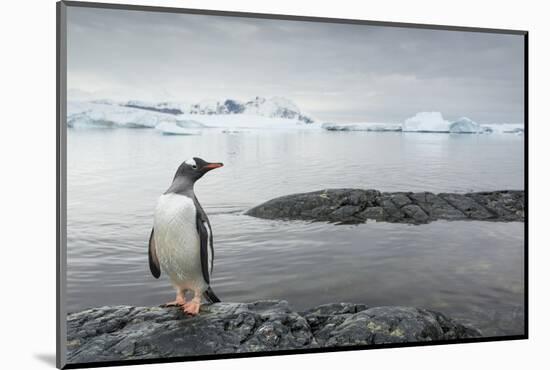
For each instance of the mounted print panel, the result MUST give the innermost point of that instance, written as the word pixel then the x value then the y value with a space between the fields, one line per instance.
pixel 234 184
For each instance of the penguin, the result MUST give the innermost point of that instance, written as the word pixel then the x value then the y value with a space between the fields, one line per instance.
pixel 181 241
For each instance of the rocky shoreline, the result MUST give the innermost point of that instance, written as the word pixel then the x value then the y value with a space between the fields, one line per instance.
pixel 358 205
pixel 114 333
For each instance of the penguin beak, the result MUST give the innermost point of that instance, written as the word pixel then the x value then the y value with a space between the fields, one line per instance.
pixel 211 166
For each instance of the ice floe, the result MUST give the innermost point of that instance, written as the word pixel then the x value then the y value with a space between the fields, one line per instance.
pixel 179 128
pixel 465 125
pixel 362 126
pixel 94 114
pixel 426 122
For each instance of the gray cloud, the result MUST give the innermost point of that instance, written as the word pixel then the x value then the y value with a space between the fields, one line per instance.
pixel 332 71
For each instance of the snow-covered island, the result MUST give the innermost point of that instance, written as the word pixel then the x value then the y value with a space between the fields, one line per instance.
pixel 184 119
pixel 171 118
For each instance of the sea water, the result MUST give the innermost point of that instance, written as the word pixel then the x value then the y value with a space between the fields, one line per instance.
pixel 470 270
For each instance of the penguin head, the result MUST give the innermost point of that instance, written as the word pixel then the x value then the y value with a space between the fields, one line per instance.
pixel 195 168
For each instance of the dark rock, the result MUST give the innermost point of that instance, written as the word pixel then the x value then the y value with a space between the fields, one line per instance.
pixel 373 213
pixel 416 213
pixel 154 109
pixel 467 205
pixel 318 205
pixel 436 207
pixel 391 210
pixel 358 205
pixel 385 325
pixel 400 199
pixel 507 205
pixel 345 214
pixel 124 332
pixel 233 106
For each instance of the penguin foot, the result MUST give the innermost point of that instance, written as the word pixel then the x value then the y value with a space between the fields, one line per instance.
pixel 192 308
pixel 179 302
pixel 173 304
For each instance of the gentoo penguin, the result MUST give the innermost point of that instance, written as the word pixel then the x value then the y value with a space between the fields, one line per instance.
pixel 181 242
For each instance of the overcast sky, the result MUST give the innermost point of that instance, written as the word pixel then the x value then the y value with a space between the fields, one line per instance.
pixel 334 72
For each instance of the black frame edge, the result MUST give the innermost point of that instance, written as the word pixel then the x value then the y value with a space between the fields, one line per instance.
pixel 526 184
pixel 61 193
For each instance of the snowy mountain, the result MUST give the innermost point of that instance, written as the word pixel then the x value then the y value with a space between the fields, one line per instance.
pixel 276 107
pixel 273 113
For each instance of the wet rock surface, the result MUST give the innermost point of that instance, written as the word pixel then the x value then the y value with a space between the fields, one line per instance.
pixel 124 332
pixel 358 206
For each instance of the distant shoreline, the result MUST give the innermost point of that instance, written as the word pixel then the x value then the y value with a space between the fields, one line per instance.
pixel 259 113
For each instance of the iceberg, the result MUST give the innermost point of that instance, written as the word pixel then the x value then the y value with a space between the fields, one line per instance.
pixel 504 128
pixel 101 114
pixel 178 128
pixel 362 126
pixel 465 125
pixel 190 124
pixel 426 122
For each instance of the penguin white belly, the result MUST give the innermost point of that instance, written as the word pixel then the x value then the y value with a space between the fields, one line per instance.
pixel 177 241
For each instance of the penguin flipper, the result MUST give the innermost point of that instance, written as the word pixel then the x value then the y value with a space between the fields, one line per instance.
pixel 154 264
pixel 204 250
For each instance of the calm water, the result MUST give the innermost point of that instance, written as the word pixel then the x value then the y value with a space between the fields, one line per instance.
pixel 472 271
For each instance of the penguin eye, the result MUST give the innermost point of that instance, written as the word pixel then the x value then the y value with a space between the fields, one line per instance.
pixel 194 166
